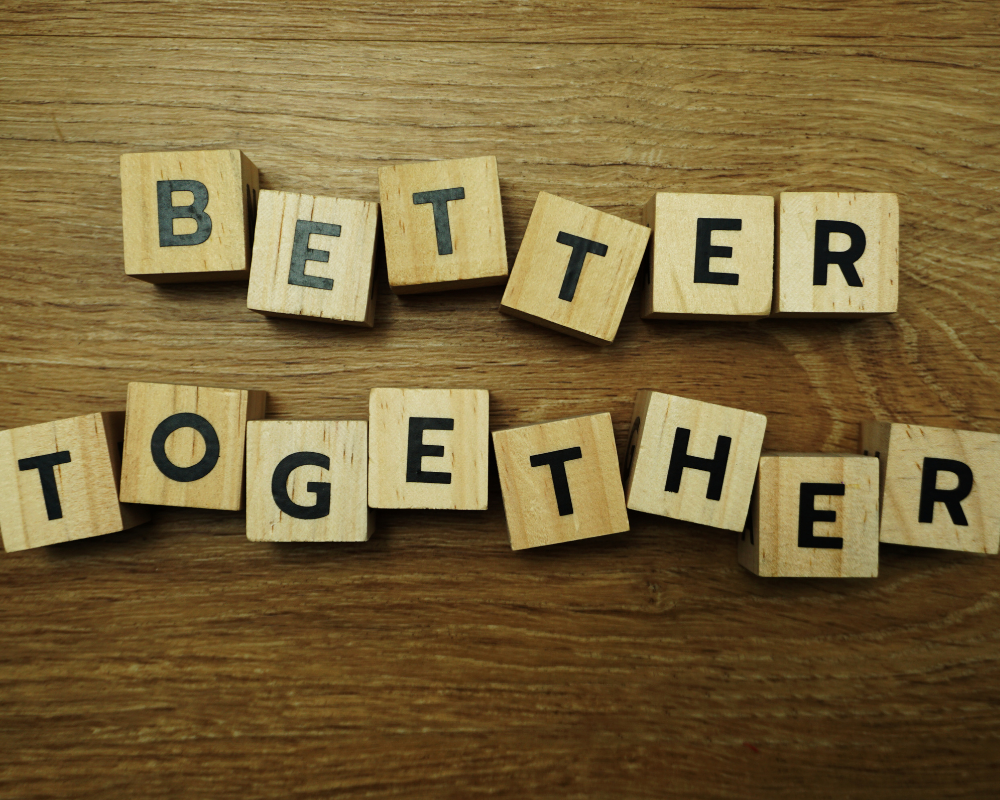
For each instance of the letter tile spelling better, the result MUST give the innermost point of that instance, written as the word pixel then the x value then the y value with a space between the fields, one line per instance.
pixel 712 256
pixel 59 482
pixel 560 481
pixel 313 258
pixel 691 460
pixel 939 487
pixel 184 445
pixel 443 225
pixel 428 448
pixel 838 254
pixel 813 516
pixel 188 216
pixel 308 481
pixel 575 269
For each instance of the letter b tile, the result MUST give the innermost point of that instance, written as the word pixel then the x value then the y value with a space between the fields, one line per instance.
pixel 308 481
pixel 184 445
pixel 188 216
pixel 691 460
pixel 428 448
pixel 940 487
pixel 560 481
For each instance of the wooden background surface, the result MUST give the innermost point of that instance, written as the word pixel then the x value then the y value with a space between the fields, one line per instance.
pixel 180 660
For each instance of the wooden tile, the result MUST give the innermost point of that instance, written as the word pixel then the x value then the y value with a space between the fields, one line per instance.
pixel 813 515
pixel 575 269
pixel 428 448
pixel 691 460
pixel 184 445
pixel 308 481
pixel 838 254
pixel 443 225
pixel 711 256
pixel 560 481
pixel 313 257
pixel 59 482
pixel 189 215
pixel 939 487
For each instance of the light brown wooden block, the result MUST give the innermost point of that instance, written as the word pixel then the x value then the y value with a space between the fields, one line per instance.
pixel 313 257
pixel 569 285
pixel 691 460
pixel 428 448
pixel 184 445
pixel 443 225
pixel 809 282
pixel 59 482
pixel 939 487
pixel 308 481
pixel 712 256
pixel 171 234
pixel 800 527
pixel 560 481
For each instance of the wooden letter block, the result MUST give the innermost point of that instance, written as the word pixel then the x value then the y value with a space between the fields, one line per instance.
pixel 59 482
pixel 691 460
pixel 560 481
pixel 813 516
pixel 939 487
pixel 188 216
pixel 428 448
pixel 712 256
pixel 838 254
pixel 313 257
pixel 184 445
pixel 307 482
pixel 443 225
pixel 575 269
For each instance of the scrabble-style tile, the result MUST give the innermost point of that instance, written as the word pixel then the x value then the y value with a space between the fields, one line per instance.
pixel 575 269
pixel 308 481
pixel 560 481
pixel 939 487
pixel 188 215
pixel 184 445
pixel 711 256
pixel 838 254
pixel 813 515
pixel 313 258
pixel 59 482
pixel 428 448
pixel 443 225
pixel 691 460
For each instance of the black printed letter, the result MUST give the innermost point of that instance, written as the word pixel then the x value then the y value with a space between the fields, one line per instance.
pixel 556 461
pixel 47 475
pixel 417 450
pixel 952 498
pixel 822 257
pixel 301 253
pixel 168 212
pixel 715 467
pixel 279 486
pixel 808 514
pixel 705 250
pixel 580 247
pixel 439 199
pixel 195 472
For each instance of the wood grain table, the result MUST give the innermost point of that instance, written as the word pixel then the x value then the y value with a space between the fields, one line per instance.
pixel 180 660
